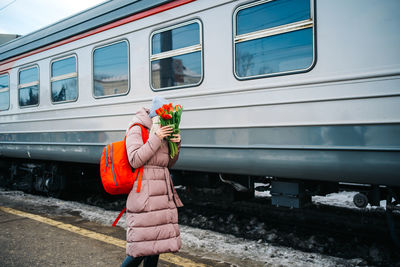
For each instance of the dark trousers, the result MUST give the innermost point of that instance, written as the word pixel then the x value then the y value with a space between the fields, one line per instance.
pixel 149 261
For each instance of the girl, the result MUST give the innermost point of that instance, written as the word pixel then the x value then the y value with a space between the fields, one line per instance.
pixel 152 216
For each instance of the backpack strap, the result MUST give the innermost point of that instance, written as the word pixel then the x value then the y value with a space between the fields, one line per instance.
pixel 139 171
pixel 119 217
pixel 145 133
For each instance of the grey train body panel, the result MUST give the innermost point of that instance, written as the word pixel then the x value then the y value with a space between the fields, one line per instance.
pixel 350 153
pixel 337 121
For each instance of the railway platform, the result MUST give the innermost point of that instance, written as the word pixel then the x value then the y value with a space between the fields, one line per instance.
pixel 28 239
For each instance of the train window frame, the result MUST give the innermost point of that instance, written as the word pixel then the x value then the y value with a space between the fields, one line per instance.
pixel 27 84
pixel 129 68
pixel 6 89
pixel 169 54
pixel 64 77
pixel 272 31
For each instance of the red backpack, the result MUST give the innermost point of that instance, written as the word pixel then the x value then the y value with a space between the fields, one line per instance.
pixel 116 173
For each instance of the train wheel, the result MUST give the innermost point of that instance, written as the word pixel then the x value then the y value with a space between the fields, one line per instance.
pixel 360 200
pixel 5 174
pixel 55 182
pixel 51 181
pixel 393 204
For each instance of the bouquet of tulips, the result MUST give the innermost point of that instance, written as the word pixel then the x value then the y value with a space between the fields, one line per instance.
pixel 171 116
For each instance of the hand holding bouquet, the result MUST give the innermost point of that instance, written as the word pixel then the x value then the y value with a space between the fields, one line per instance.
pixel 171 116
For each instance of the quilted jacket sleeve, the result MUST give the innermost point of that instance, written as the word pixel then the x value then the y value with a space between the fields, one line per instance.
pixel 139 153
pixel 175 159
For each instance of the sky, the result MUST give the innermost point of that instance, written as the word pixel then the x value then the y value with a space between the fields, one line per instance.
pixel 25 16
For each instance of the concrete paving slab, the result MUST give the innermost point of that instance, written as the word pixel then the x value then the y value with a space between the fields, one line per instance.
pixel 29 239
pixel 25 242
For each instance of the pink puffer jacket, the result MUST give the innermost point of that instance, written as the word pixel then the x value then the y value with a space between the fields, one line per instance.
pixel 152 216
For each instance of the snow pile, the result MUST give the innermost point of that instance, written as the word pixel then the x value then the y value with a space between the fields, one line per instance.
pixel 212 245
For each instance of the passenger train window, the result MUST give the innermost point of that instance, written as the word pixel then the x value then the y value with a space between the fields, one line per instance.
pixel 64 80
pixel 273 37
pixel 4 92
pixel 111 70
pixel 28 87
pixel 176 56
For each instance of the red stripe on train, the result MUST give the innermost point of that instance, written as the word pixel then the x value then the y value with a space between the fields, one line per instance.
pixel 6 65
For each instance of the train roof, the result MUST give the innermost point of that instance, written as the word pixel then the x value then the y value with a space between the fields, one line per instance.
pixel 86 20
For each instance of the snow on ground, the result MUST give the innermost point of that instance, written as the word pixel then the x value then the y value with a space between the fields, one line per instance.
pixel 223 247
pixel 205 243
pixel 88 212
pixel 260 194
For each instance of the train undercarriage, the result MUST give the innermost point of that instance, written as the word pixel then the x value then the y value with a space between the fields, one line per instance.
pixel 56 179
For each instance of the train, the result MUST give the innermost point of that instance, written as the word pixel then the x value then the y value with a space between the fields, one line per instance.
pixel 303 93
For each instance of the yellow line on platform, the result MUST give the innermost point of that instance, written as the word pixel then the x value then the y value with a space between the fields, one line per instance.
pixel 168 257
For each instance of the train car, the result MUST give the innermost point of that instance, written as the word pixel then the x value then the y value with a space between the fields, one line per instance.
pixel 304 91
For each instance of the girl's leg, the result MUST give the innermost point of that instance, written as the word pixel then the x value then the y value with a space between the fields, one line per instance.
pixel 131 261
pixel 151 261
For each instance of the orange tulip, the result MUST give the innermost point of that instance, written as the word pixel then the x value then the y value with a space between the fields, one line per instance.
pixel 159 111
pixel 165 107
pixel 166 116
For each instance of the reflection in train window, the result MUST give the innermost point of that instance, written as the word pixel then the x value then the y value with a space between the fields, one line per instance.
pixel 28 87
pixel 176 56
pixel 4 92
pixel 111 70
pixel 273 37
pixel 64 80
